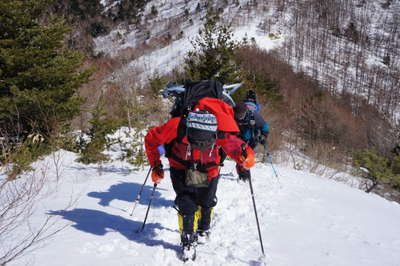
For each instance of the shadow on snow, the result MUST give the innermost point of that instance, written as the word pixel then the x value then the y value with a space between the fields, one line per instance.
pixel 100 223
pixel 105 169
pixel 127 192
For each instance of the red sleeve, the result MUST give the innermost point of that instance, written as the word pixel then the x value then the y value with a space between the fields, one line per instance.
pixel 157 136
pixel 232 146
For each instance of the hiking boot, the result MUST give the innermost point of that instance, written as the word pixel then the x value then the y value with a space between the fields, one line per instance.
pixel 203 236
pixel 203 231
pixel 188 246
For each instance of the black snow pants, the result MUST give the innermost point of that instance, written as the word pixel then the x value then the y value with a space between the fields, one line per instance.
pixel 189 198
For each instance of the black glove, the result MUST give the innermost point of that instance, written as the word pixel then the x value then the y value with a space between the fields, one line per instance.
pixel 244 175
pixel 263 138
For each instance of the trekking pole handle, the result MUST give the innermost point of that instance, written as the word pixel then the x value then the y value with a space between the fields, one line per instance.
pixel 232 87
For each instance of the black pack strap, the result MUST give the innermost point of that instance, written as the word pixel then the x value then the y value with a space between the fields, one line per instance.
pixel 192 165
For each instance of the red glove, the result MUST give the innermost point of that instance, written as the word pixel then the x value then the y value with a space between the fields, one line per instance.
pixel 157 173
pixel 248 159
pixel 249 162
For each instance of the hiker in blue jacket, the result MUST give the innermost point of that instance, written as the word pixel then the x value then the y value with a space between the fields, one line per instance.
pixel 253 128
pixel 251 101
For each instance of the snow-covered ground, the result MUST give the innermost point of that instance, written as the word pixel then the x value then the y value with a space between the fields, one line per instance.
pixel 305 220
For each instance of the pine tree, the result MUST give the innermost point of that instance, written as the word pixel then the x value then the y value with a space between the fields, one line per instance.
pixel 377 166
pixel 99 141
pixel 396 171
pixel 39 76
pixel 213 54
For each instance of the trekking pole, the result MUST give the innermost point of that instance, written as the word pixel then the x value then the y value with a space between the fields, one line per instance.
pixel 255 212
pixel 272 165
pixel 269 159
pixel 136 201
pixel 148 208
pixel 254 203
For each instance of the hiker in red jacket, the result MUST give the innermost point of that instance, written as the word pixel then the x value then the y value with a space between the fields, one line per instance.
pixel 192 147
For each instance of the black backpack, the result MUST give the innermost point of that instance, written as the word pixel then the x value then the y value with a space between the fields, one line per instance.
pixel 184 102
pixel 195 91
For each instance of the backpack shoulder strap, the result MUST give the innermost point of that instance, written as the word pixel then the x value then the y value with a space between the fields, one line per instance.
pixel 182 127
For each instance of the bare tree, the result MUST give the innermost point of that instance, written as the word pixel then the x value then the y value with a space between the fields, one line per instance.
pixel 18 202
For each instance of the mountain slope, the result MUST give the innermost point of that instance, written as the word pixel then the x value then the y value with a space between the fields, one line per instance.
pixel 347 45
pixel 305 220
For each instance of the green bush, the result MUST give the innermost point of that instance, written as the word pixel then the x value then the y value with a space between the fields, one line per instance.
pixel 264 86
pixel 93 149
pixel 85 8
pixel 97 28
pixel 396 165
pixel 396 171
pixel 157 83
pixel 273 36
pixel 133 152
pixel 154 11
pixel 22 155
pixel 379 168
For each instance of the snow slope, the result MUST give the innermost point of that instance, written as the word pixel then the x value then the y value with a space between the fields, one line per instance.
pixel 305 220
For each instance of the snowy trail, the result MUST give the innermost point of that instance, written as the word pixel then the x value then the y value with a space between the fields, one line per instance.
pixel 305 220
